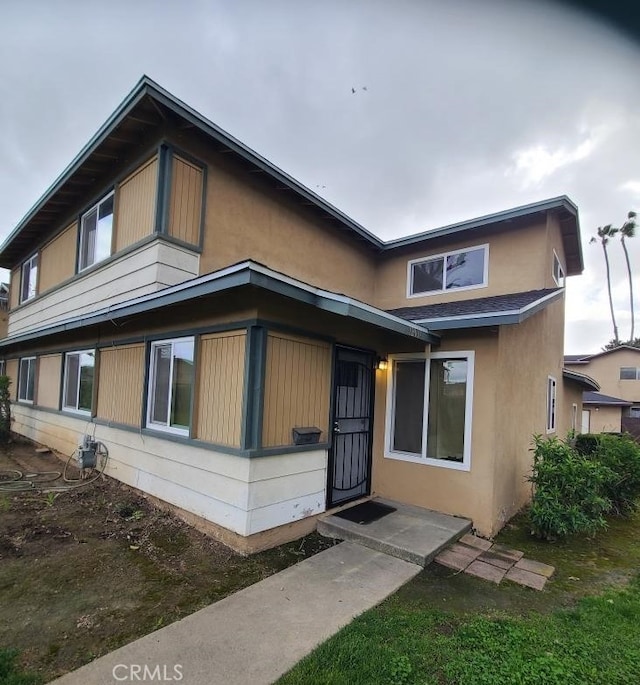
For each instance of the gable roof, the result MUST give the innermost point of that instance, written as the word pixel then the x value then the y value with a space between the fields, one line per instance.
pixel 586 358
pixel 566 210
pixel 144 114
pixel 600 398
pixel 483 311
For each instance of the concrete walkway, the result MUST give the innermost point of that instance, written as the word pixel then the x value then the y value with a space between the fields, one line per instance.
pixel 259 633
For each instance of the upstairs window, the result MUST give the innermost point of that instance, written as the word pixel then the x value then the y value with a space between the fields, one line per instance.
pixel 95 233
pixel 551 404
pixel 170 385
pixel 78 381
pixel 29 278
pixel 456 270
pixel 27 379
pixel 629 373
pixel 558 271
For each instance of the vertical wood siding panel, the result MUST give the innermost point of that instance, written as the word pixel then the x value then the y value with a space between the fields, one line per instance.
pixel 185 205
pixel 136 208
pixel 221 371
pixel 14 288
pixel 297 387
pixel 120 385
pixel 12 372
pixel 58 259
pixel 49 379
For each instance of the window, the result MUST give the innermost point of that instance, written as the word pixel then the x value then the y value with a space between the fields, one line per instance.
pixel 29 278
pixel 629 373
pixel 78 381
pixel 634 412
pixel 26 379
pixel 558 271
pixel 3 367
pixel 458 270
pixel 574 417
pixel 95 233
pixel 170 384
pixel 430 403
pixel 551 404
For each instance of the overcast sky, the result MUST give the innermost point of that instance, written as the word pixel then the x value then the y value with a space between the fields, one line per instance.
pixel 461 108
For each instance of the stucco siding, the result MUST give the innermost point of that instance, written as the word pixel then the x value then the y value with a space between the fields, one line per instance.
pixel 519 260
pixel 462 493
pixel 528 354
pixel 606 370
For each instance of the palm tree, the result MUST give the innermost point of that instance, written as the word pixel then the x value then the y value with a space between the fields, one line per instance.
pixel 628 230
pixel 603 235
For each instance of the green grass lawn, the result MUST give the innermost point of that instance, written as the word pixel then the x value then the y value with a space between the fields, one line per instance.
pixel 441 628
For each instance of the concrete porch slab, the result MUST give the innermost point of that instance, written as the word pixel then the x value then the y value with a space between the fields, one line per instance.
pixel 411 533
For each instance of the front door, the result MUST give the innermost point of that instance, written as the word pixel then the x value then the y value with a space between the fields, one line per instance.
pixel 350 453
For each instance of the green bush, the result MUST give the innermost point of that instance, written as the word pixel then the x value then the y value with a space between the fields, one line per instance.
pixel 568 496
pixel 586 443
pixel 621 455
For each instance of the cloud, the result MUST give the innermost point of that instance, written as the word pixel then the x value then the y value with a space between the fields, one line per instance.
pixel 470 107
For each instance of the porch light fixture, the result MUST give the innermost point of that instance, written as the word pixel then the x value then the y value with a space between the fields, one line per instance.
pixel 382 364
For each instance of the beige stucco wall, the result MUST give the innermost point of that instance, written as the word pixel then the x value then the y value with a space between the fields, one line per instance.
pixel 605 419
pixel 571 394
pixel 247 218
pixel 520 259
pixel 606 370
pixel 462 493
pixel 528 353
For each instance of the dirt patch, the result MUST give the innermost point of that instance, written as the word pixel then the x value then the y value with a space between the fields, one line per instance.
pixel 85 571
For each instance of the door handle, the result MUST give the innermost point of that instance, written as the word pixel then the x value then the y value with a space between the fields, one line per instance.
pixel 336 427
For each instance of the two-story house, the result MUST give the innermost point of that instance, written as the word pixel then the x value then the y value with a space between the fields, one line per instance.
pixel 195 308
pixel 617 372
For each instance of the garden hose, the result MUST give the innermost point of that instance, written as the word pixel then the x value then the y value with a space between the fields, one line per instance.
pixel 12 480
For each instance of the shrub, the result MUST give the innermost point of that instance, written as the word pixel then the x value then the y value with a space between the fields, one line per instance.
pixel 621 455
pixel 568 496
pixel 586 443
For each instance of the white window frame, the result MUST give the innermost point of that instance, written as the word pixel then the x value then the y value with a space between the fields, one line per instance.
pixel 32 369
pixel 31 266
pixel 151 382
pixel 574 417
pixel 552 404
pixel 559 279
pixel 96 206
pixel 75 409
pixel 630 379
pixel 389 452
pixel 444 255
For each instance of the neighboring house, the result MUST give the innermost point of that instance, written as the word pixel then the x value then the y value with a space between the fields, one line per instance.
pixel 195 308
pixel 617 372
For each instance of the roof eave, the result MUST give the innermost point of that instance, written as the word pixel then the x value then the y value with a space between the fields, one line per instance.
pixel 245 273
pixel 582 379
pixel 489 319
